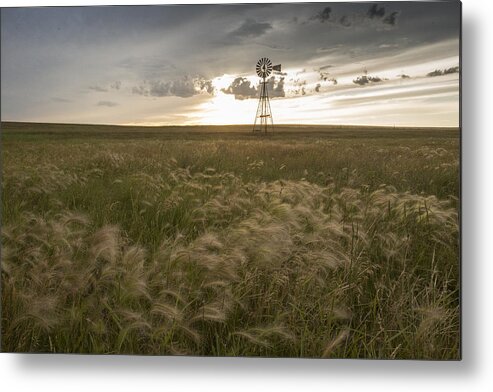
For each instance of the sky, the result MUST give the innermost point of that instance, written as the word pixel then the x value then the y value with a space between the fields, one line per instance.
pixel 384 63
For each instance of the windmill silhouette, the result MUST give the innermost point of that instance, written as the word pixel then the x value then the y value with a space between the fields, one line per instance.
pixel 263 119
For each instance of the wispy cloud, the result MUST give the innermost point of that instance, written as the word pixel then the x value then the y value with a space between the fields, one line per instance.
pixel 109 104
pixel 250 28
pixel 62 100
pixel 99 89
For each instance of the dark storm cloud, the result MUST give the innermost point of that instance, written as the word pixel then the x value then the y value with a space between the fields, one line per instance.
pixel 440 72
pixel 108 104
pixel 251 29
pixel 375 11
pixel 345 21
pixel 184 88
pixel 323 16
pixel 391 19
pixel 376 14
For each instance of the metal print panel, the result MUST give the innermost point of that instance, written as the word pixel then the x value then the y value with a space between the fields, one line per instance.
pixel 274 180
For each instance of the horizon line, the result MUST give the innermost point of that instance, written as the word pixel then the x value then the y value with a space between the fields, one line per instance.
pixel 239 125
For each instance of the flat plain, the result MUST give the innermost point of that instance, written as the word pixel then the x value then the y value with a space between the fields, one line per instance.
pixel 311 242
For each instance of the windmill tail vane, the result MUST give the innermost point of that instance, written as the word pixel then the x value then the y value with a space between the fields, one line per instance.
pixel 263 119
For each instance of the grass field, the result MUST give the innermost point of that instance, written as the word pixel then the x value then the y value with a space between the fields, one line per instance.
pixel 312 242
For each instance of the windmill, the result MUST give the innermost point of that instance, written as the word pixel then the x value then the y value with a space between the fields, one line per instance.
pixel 263 117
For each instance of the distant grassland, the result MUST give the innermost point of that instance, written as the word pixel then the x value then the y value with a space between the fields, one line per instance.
pixel 311 242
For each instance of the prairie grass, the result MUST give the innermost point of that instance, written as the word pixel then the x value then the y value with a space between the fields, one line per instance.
pixel 341 244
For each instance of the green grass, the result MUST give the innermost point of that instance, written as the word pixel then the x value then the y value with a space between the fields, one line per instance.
pixel 312 242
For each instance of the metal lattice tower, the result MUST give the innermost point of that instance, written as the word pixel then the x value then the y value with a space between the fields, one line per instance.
pixel 263 119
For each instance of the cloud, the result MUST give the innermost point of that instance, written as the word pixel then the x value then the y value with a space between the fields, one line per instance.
pixel 140 90
pixel 116 85
pixel 387 46
pixel 58 99
pixel 150 66
pixel 345 21
pixel 242 88
pixel 323 16
pixel 206 85
pixel 391 19
pixel 403 76
pixel 108 104
pixel 277 89
pixel 283 48
pixel 97 88
pixel 375 12
pixel 375 16
pixel 298 82
pixel 318 86
pixel 365 79
pixel 251 29
pixel 325 76
pixel 184 88
pixel 440 72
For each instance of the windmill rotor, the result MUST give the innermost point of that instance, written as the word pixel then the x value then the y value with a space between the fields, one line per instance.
pixel 264 67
